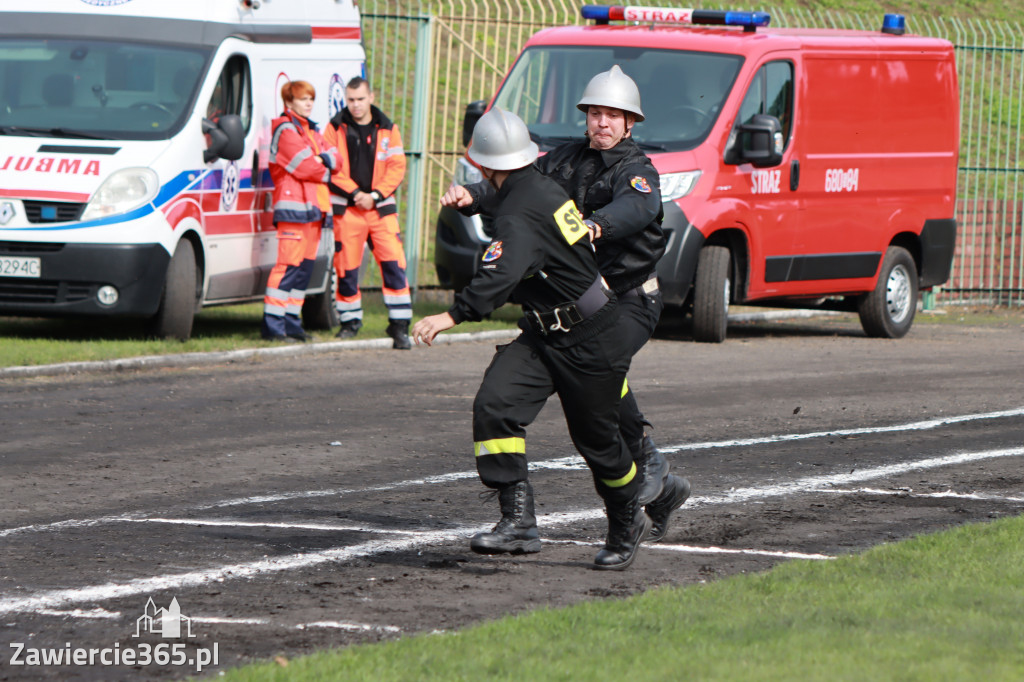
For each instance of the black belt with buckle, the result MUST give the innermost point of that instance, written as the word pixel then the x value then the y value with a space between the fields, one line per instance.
pixel 565 316
pixel 649 287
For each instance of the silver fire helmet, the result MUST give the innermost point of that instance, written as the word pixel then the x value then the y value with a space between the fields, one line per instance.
pixel 501 141
pixel 612 88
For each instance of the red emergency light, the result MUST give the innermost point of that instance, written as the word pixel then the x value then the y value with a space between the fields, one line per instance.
pixel 602 14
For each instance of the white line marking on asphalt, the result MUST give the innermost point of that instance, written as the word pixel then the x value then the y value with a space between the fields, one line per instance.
pixel 96 613
pixel 901 492
pixel 573 462
pixel 351 627
pixel 694 549
pixel 913 426
pixel 250 524
pixel 229 621
pixel 65 597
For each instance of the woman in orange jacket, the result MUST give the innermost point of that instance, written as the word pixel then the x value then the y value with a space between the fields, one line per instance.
pixel 301 162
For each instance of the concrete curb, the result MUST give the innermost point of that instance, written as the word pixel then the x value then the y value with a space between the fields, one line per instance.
pixel 216 357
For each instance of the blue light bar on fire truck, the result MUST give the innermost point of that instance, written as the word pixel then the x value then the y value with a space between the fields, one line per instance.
pixel 602 14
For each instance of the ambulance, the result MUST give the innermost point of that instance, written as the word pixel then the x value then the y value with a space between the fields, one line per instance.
pixel 804 168
pixel 134 141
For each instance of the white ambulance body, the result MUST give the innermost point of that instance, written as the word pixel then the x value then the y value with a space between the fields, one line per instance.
pixel 134 140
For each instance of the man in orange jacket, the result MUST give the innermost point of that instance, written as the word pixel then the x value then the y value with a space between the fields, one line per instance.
pixel 362 197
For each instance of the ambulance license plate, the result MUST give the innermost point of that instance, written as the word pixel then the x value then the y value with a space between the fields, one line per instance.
pixel 20 266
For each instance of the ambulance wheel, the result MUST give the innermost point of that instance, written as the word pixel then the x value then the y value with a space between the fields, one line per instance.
pixel 888 311
pixel 711 292
pixel 319 311
pixel 173 319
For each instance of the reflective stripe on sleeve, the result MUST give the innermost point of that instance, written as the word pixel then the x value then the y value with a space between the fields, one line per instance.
pixel 625 388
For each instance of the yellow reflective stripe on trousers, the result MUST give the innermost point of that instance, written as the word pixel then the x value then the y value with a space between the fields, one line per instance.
pixel 625 388
pixel 619 482
pixel 499 446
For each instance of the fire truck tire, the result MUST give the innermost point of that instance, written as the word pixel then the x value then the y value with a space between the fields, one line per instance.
pixel 888 311
pixel 178 303
pixel 711 292
pixel 318 310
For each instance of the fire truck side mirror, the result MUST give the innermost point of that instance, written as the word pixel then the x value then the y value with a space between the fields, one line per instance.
pixel 474 110
pixel 227 138
pixel 760 141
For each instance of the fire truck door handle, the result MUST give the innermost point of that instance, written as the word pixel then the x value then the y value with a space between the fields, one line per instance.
pixel 794 174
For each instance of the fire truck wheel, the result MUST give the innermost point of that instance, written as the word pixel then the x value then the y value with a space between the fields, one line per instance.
pixel 711 293
pixel 319 311
pixel 888 311
pixel 173 319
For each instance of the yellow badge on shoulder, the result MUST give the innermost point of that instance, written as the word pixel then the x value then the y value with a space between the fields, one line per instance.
pixel 570 222
pixel 640 184
pixel 492 253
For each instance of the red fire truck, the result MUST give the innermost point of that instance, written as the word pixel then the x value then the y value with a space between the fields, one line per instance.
pixel 799 167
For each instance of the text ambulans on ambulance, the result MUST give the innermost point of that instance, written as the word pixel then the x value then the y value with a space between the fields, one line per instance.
pixel 134 141
pixel 805 168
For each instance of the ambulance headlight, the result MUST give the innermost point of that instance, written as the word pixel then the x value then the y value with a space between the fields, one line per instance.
pixel 125 190
pixel 678 185
pixel 466 173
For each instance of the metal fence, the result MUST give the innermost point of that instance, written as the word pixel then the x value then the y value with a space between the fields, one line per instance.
pixel 429 58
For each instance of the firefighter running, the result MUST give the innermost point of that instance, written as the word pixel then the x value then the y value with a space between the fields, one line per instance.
pixel 542 257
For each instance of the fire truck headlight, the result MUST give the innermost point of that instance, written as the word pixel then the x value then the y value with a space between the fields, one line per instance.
pixel 125 190
pixel 678 185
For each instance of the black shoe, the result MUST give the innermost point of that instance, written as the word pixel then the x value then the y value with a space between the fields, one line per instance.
pixel 349 329
pixel 517 532
pixel 301 337
pixel 628 525
pixel 653 470
pixel 281 339
pixel 677 490
pixel 399 331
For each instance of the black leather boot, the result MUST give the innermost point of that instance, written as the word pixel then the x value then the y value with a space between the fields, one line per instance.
pixel 517 532
pixel 653 470
pixel 349 329
pixel 677 490
pixel 399 331
pixel 628 525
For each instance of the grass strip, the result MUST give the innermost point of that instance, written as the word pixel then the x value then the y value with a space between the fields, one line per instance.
pixel 33 342
pixel 947 606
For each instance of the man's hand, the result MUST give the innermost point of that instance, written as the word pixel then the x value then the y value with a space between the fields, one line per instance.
pixel 426 329
pixel 364 200
pixel 456 197
pixel 595 229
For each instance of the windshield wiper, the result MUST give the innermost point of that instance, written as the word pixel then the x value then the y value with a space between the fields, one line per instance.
pixel 651 145
pixel 51 132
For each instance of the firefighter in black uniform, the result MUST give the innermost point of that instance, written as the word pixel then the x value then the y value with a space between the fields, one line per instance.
pixel 541 256
pixel 617 188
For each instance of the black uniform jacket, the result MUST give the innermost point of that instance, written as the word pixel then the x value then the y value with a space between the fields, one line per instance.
pixel 618 189
pixel 540 255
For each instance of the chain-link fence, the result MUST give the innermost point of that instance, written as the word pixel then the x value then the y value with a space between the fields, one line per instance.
pixel 429 58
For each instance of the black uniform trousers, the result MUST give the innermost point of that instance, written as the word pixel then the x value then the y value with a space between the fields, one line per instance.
pixel 638 317
pixel 588 378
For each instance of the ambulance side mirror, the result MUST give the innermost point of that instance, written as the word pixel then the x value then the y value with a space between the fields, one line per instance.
pixel 227 138
pixel 474 110
pixel 759 143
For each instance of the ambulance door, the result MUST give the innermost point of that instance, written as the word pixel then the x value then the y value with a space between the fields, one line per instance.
pixel 770 194
pixel 227 193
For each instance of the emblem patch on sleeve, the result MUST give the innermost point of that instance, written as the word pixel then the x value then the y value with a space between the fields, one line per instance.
pixel 492 253
pixel 640 184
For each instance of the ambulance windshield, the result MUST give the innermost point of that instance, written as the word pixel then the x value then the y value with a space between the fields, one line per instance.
pixel 96 89
pixel 681 92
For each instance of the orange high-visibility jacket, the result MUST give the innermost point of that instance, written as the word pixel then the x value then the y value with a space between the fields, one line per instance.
pixel 300 179
pixel 388 163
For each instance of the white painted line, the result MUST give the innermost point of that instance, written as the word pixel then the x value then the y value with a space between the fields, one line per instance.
pixel 249 524
pixel 66 597
pixel 229 621
pixel 910 493
pixel 694 549
pixel 351 627
pixel 913 426
pixel 572 462
pixel 96 613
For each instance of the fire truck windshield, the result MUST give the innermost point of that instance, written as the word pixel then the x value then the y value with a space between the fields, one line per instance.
pixel 97 89
pixel 681 92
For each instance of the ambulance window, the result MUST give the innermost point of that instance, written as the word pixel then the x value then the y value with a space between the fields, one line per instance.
pixel 233 92
pixel 771 92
